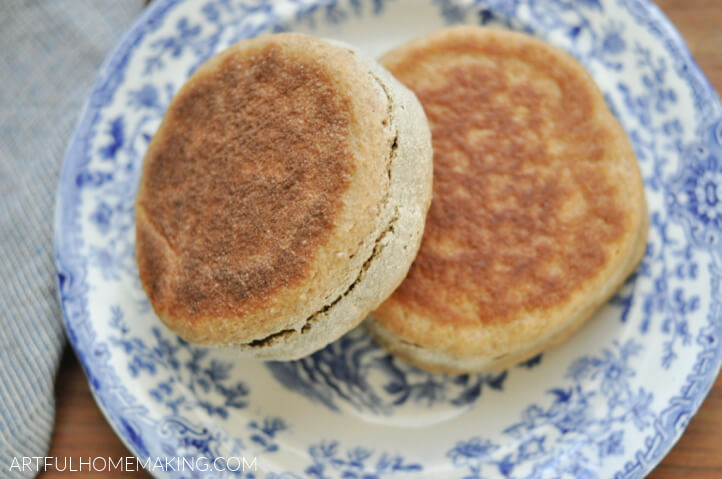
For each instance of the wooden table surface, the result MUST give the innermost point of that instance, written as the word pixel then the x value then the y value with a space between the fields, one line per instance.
pixel 81 429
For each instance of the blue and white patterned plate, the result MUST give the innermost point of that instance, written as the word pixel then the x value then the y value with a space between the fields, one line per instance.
pixel 610 402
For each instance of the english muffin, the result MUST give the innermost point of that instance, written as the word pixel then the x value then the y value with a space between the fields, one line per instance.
pixel 538 212
pixel 283 196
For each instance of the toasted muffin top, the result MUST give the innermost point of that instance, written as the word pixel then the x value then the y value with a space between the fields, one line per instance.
pixel 268 168
pixel 537 195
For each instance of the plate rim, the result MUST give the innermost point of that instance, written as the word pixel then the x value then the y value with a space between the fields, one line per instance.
pixel 63 248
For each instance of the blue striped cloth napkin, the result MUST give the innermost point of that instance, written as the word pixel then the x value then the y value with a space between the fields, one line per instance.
pixel 49 53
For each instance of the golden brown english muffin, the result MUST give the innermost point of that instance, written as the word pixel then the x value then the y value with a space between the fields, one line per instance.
pixel 283 196
pixel 538 213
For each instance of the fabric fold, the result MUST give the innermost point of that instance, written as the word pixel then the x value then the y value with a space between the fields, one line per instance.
pixel 51 51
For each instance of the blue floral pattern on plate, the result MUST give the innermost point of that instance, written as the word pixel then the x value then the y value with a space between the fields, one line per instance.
pixel 608 403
